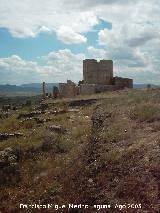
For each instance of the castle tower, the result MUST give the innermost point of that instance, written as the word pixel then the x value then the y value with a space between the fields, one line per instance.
pixel 98 72
pixel 105 72
pixel 90 71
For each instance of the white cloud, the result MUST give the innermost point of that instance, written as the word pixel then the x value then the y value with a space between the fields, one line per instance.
pixel 68 36
pixel 133 42
pixel 131 64
pixel 58 67
pixel 95 53
pixel 27 18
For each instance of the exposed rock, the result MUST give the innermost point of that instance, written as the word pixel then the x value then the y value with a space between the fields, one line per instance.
pixel 38 120
pixel 30 114
pixel 38 112
pixel 57 129
pixel 82 102
pixel 41 121
pixel 6 107
pixel 52 144
pixel 7 156
pixel 73 110
pixel 4 115
pixel 68 90
pixel 42 107
pixel 5 136
pixel 9 168
pixel 55 92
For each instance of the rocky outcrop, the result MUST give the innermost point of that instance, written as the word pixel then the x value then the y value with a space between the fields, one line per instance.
pixel 57 129
pixel 9 167
pixel 5 136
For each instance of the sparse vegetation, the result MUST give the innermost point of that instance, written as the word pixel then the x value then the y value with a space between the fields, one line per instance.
pixel 109 153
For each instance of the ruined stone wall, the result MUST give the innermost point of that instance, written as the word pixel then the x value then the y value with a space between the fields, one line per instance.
pixel 123 82
pixel 44 89
pixel 87 89
pixel 104 88
pixel 68 90
pixel 98 72
pixel 90 71
pixel 105 72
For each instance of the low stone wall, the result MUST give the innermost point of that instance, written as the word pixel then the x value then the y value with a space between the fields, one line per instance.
pixel 103 88
pixel 68 90
pixel 122 83
pixel 87 89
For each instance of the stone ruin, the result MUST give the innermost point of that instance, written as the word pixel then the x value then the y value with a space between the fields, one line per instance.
pixel 69 89
pixel 97 77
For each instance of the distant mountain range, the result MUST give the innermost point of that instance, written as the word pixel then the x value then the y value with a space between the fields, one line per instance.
pixel 25 89
pixel 36 89
pixel 141 86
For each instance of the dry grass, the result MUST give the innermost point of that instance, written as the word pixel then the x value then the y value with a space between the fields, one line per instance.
pixel 55 168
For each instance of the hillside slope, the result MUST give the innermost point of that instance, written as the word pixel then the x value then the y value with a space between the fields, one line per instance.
pixel 101 151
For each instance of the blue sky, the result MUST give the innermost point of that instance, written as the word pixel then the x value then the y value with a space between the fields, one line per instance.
pixel 49 40
pixel 44 42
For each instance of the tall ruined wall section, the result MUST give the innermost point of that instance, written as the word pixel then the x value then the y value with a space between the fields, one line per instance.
pixel 98 72
pixel 90 71
pixel 105 72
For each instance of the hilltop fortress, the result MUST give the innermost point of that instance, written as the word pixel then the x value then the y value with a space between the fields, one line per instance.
pixel 97 77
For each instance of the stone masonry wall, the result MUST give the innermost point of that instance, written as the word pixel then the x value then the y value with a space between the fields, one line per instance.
pixel 98 72
pixel 87 89
pixel 105 72
pixel 123 82
pixel 68 90
pixel 90 71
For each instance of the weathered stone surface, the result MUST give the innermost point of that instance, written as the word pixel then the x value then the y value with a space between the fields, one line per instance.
pixel 87 89
pixel 6 108
pixel 7 156
pixel 5 136
pixel 4 115
pixel 82 102
pixel 57 129
pixel 98 72
pixel 9 168
pixel 38 120
pixel 31 114
pixel 55 92
pixel 105 72
pixel 103 88
pixel 121 83
pixel 69 89
pixel 44 89
pixel 73 110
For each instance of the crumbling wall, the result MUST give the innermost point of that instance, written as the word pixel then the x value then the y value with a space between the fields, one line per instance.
pixel 104 88
pixel 98 72
pixel 67 90
pixel 90 71
pixel 44 89
pixel 105 72
pixel 123 82
pixel 87 89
